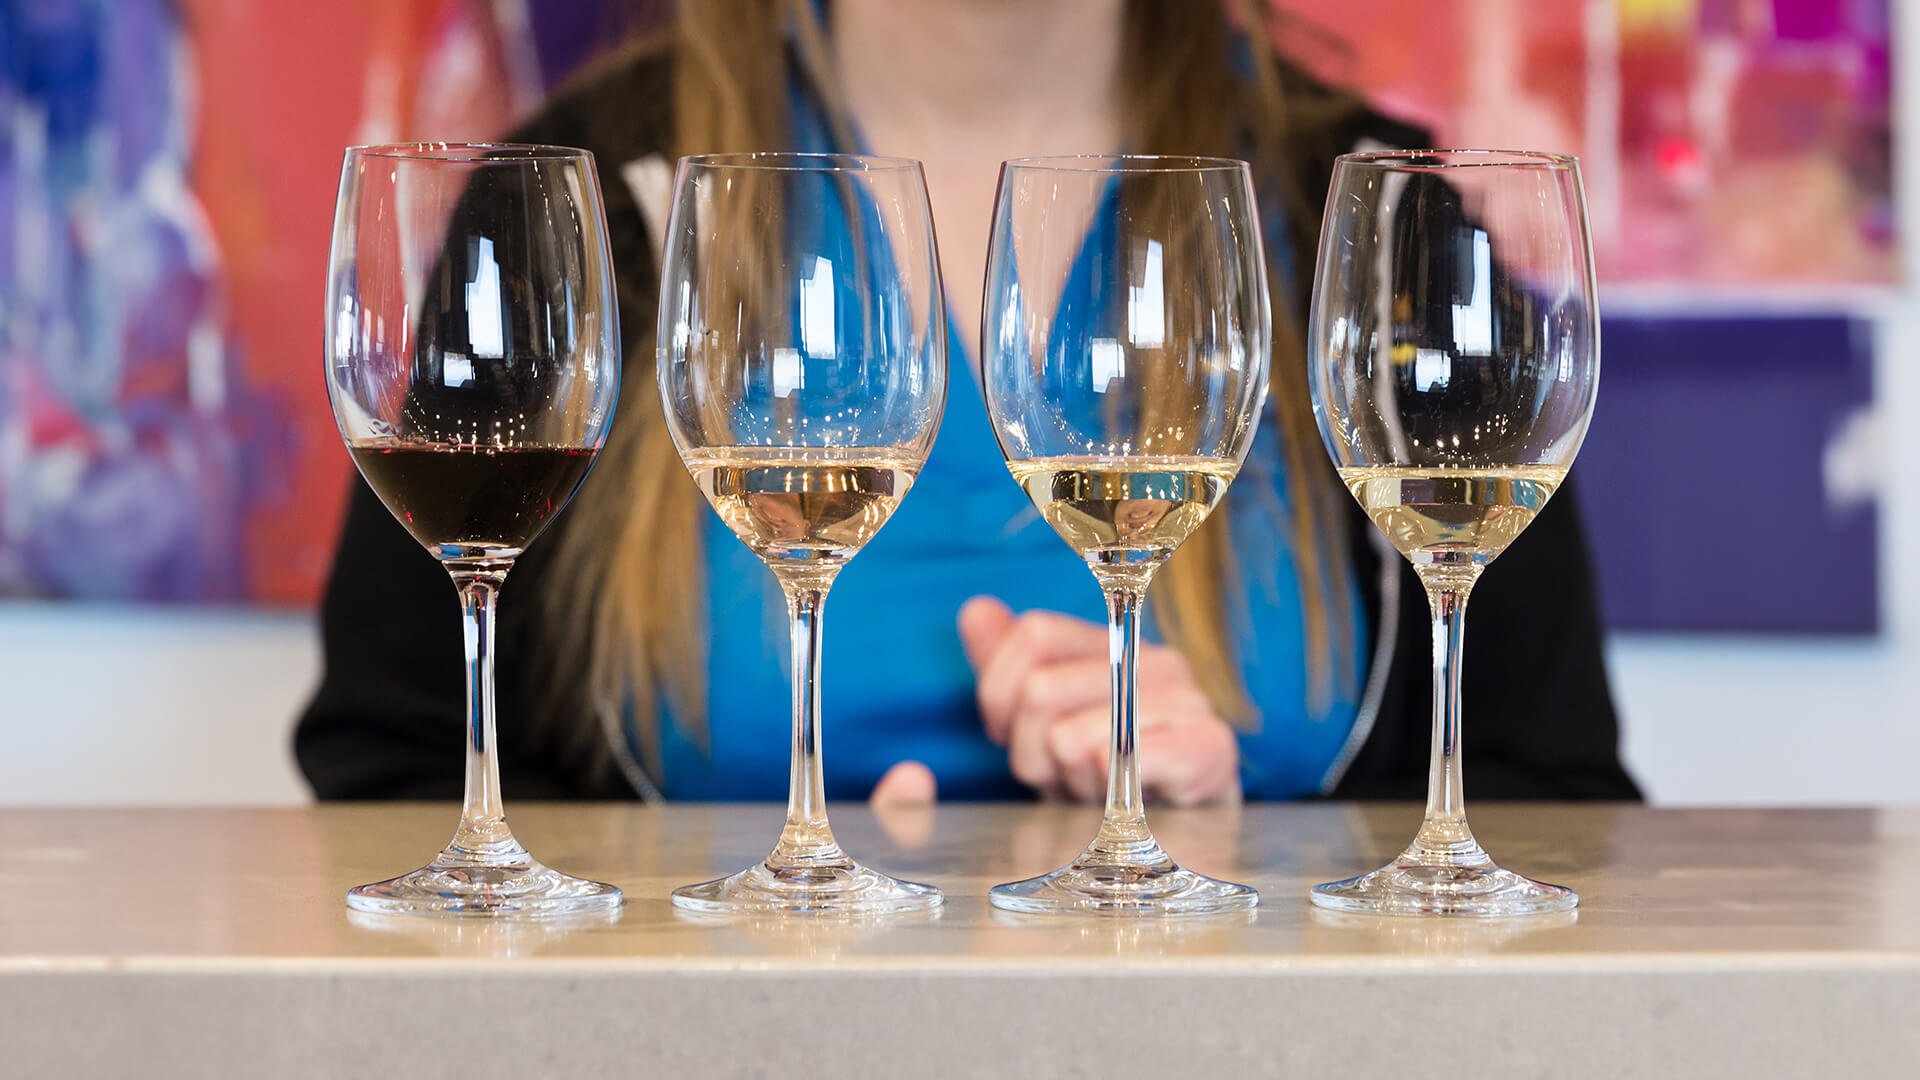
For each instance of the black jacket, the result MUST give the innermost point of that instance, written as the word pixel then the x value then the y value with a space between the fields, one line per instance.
pixel 384 724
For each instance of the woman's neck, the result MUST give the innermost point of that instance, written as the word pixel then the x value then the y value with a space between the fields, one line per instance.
pixel 1023 67
pixel 964 84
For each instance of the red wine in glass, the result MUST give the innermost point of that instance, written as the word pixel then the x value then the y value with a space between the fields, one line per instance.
pixel 473 363
pixel 472 501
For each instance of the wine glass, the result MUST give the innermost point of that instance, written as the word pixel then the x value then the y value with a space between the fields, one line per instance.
pixel 1125 347
pixel 1454 357
pixel 802 366
pixel 473 361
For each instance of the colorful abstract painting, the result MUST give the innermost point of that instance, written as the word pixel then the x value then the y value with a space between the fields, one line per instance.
pixel 1696 119
pixel 168 170
pixel 167 173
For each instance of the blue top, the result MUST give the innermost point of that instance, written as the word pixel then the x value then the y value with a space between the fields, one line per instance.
pixel 896 683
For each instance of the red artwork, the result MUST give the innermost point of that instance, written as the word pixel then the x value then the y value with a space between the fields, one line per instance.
pixel 164 429
pixel 272 127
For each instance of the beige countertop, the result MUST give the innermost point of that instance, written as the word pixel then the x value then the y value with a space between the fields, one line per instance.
pixel 218 940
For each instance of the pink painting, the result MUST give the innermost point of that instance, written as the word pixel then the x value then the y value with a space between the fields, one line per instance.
pixel 1697 120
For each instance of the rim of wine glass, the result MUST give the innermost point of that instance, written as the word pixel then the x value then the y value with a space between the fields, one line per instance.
pixel 1471 158
pixel 1125 163
pixel 470 152
pixel 802 161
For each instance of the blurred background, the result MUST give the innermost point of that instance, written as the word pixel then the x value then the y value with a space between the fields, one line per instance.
pixel 171 479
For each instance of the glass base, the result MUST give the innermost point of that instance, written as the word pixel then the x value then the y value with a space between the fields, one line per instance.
pixel 1144 881
pixel 842 888
pixel 1444 883
pixel 514 886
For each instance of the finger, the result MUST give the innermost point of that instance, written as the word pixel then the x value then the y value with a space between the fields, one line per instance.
pixel 903 804
pixel 1187 755
pixel 1190 763
pixel 1051 691
pixel 983 621
pixel 1030 737
pixel 1079 747
pixel 1049 695
pixel 1077 693
pixel 1027 755
pixel 907 784
pixel 1163 664
pixel 1037 638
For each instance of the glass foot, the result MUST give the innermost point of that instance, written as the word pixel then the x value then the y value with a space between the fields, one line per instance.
pixel 1413 886
pixel 516 887
pixel 843 888
pixel 1144 882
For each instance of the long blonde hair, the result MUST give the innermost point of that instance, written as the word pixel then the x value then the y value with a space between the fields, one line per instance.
pixel 628 602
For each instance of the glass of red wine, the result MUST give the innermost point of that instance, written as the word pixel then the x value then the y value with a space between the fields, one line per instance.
pixel 473 361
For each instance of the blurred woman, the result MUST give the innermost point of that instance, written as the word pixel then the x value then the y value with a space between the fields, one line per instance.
pixel 643 647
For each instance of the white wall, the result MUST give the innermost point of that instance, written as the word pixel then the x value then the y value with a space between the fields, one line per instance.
pixel 101 705
pixel 138 707
pixel 109 705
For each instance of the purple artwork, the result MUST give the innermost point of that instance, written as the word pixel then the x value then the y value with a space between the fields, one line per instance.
pixel 166 180
pixel 131 449
pixel 1727 482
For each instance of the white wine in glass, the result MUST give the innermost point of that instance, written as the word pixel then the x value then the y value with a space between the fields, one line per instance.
pixel 1125 512
pixel 1454 357
pixel 1452 521
pixel 803 510
pixel 1126 326
pixel 802 369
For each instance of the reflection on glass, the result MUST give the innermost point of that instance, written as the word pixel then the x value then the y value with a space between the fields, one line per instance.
pixel 803 934
pixel 1330 930
pixel 489 939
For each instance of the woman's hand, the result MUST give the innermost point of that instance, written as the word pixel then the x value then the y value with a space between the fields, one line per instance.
pixel 1043 692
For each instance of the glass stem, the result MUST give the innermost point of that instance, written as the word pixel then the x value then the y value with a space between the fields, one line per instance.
pixel 1123 827
pixel 1444 835
pixel 807 840
pixel 483 836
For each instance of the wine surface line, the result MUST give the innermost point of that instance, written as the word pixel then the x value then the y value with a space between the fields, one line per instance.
pixel 803 509
pixel 1452 522
pixel 472 502
pixel 1125 513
